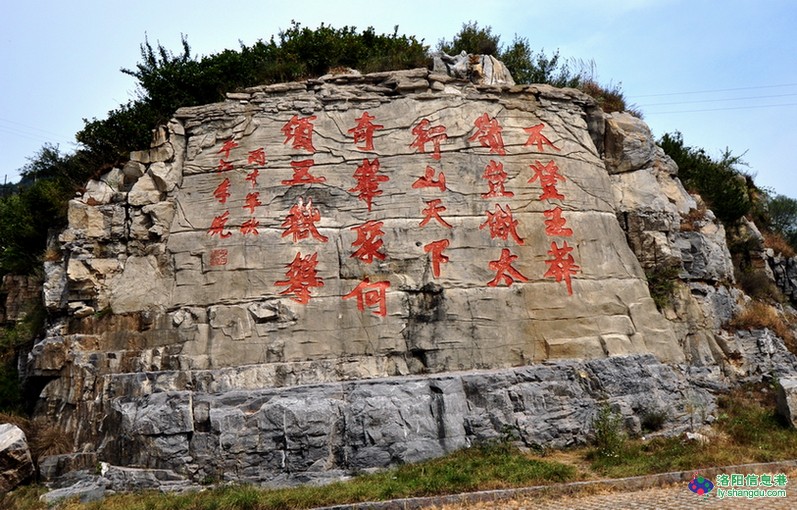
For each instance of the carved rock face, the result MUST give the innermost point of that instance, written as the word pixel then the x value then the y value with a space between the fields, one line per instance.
pixel 413 230
pixel 348 228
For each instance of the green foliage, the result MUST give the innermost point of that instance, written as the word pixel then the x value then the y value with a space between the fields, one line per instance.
pixel 527 66
pixel 315 52
pixel 746 430
pixel 14 340
pixel 38 205
pixel 483 467
pixel 108 142
pixel 726 189
pixel 782 214
pixel 661 282
pixel 472 39
pixel 168 81
pixel 609 437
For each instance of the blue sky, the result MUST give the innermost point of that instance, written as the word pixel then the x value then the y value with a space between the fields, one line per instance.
pixel 711 69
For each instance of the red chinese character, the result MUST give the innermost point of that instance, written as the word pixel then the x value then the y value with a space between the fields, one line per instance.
pixel 435 250
pixel 364 131
pixel 224 166
pixel 257 156
pixel 370 295
pixel 252 201
pixel 300 222
pixel 301 277
pixel 301 130
pixel 219 224
pixel 222 192
pixel 496 177
pixel 428 180
pixel 489 134
pixel 562 266
pixel 301 174
pixel 252 177
pixel 555 225
pixel 425 134
pixel 433 212
pixel 504 270
pixel 548 175
pixel 369 242
pixel 227 147
pixel 250 227
pixel 368 181
pixel 218 257
pixel 537 138
pixel 502 224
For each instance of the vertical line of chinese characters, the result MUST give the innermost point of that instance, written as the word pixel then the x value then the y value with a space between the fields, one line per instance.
pixel 369 244
pixel 500 222
pixel 435 182
pixel 301 275
pixel 256 159
pixel 561 265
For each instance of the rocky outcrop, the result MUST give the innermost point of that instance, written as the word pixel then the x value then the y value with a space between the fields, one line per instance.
pixel 784 273
pixel 228 429
pixel 478 69
pixel 21 295
pixel 787 400
pixel 677 240
pixel 16 464
pixel 314 278
pixel 488 214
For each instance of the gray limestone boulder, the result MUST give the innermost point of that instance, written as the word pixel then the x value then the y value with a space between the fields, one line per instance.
pixel 16 464
pixel 787 399
pixel 85 491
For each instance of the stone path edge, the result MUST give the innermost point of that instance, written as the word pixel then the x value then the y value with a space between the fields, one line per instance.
pixel 632 483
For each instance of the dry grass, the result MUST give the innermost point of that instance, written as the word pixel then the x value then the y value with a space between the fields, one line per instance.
pixel 46 439
pixel 610 98
pixel 778 244
pixel 16 419
pixel 758 315
pixel 756 283
pixel 690 220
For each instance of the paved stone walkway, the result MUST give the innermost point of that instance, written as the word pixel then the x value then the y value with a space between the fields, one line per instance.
pixel 676 497
pixel 664 491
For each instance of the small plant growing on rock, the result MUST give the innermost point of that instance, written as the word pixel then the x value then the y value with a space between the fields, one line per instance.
pixel 661 282
pixel 609 437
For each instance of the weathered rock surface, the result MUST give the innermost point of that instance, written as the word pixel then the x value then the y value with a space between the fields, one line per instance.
pixel 85 491
pixel 16 464
pixel 231 428
pixel 480 69
pixel 787 399
pixel 21 295
pixel 318 277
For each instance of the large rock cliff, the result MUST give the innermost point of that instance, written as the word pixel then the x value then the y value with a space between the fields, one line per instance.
pixel 318 277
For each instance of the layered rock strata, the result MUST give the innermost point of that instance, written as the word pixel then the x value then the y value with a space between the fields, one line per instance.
pixel 310 278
